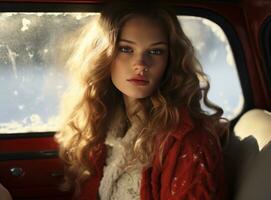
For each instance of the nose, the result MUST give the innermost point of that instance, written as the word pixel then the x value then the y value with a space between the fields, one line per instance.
pixel 141 64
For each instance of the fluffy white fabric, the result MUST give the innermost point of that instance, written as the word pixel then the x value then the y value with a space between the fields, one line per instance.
pixel 118 182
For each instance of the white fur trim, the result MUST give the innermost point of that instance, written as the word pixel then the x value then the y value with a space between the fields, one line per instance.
pixel 115 163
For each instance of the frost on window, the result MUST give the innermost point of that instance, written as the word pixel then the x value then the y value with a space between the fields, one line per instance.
pixel 31 81
pixel 215 55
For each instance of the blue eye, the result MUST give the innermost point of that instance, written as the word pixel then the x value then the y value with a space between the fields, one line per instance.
pixel 125 49
pixel 156 51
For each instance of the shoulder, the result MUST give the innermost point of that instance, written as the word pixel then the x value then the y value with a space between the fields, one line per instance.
pixel 191 133
pixel 194 163
pixel 202 147
pixel 201 138
pixel 193 130
pixel 194 144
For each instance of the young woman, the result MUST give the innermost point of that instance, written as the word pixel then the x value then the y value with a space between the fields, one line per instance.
pixel 134 127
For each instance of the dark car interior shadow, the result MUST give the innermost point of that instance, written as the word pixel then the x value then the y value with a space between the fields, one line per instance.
pixel 236 155
pixel 248 169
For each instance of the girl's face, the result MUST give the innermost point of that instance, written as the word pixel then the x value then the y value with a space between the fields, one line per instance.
pixel 141 58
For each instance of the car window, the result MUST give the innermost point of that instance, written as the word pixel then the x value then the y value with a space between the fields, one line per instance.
pixel 32 81
pixel 216 57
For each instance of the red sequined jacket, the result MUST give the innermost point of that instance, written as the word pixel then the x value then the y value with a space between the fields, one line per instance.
pixel 192 170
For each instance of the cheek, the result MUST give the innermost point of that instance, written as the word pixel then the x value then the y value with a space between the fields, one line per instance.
pixel 158 76
pixel 119 64
pixel 161 65
pixel 114 73
pixel 117 73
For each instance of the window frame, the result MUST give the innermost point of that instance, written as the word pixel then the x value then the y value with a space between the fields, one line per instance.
pixel 265 41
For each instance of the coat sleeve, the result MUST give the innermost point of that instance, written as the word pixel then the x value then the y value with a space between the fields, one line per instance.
pixel 198 172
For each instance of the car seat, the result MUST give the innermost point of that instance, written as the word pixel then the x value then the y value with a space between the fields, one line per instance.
pixel 248 157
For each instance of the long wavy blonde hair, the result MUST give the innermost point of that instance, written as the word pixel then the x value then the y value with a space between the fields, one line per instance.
pixel 90 101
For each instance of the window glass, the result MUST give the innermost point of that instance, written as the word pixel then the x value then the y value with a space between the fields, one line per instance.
pixel 215 55
pixel 32 82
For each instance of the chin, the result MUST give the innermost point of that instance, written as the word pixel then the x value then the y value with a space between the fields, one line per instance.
pixel 138 95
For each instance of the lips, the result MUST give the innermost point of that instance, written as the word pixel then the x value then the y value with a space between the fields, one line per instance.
pixel 138 81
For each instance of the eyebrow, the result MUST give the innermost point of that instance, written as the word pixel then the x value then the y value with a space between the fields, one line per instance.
pixel 153 44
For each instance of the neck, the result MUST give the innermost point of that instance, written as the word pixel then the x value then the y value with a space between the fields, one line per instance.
pixel 131 106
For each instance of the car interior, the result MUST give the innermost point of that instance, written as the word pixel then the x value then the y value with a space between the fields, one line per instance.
pixel 232 38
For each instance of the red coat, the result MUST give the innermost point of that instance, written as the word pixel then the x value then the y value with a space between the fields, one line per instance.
pixel 193 168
